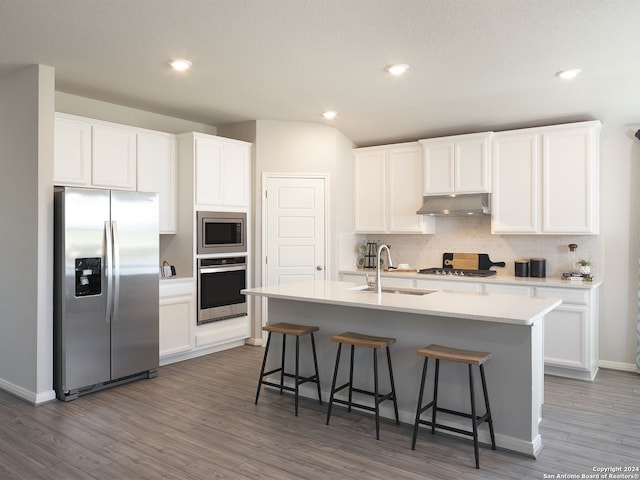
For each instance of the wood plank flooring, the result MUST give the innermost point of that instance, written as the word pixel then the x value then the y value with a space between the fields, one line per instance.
pixel 197 420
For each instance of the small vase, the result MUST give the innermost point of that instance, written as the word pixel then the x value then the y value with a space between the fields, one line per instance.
pixel 585 269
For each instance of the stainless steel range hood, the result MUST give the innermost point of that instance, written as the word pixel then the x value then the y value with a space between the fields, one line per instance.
pixel 456 205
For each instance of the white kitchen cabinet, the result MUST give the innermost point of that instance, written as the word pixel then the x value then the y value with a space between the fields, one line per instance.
pixel 571 333
pixel 177 319
pixel 156 163
pixel 222 170
pixel 457 164
pixel 387 189
pixel 545 180
pixel 113 155
pixel 72 151
pixel 431 282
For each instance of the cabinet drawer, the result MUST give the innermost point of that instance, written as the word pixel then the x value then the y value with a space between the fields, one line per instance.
pixel 448 285
pixel 567 295
pixel 511 289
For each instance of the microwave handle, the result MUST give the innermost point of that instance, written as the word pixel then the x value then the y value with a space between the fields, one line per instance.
pixel 222 269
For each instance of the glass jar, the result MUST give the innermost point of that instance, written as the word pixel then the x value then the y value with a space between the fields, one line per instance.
pixel 572 261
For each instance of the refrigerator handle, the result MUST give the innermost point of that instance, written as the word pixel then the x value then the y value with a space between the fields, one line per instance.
pixel 116 270
pixel 109 269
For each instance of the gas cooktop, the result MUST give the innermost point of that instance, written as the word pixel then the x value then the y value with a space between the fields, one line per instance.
pixel 457 272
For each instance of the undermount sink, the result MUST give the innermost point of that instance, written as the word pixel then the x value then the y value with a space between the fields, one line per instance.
pixel 402 291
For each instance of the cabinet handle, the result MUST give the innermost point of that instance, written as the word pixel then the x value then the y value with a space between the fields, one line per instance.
pixel 319 267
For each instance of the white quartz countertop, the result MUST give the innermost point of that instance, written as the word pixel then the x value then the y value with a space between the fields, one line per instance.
pixel 488 307
pixel 500 278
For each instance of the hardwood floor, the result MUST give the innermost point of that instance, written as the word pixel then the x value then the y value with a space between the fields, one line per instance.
pixel 197 420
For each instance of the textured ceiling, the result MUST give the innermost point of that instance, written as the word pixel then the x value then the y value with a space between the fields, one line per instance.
pixel 475 64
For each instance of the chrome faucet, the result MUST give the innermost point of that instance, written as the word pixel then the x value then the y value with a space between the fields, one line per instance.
pixel 378 282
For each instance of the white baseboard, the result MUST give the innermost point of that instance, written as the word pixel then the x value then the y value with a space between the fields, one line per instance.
pixel 27 395
pixel 625 367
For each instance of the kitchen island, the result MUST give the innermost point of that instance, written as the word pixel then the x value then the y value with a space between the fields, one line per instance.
pixel 508 326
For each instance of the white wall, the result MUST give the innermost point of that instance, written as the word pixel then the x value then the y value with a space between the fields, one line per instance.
pixel 26 209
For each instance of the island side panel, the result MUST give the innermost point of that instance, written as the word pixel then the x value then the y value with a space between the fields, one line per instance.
pixel 513 377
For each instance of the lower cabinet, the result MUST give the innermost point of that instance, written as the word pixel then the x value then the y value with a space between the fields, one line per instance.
pixel 571 333
pixel 180 337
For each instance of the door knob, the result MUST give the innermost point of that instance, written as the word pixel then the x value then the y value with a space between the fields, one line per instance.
pixel 319 267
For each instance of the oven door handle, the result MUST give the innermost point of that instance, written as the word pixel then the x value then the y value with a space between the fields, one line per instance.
pixel 221 269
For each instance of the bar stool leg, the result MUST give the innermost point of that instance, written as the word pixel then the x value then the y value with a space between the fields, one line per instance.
pixel 315 364
pixel 333 383
pixel 420 397
pixel 264 363
pixel 435 397
pixel 284 349
pixel 297 382
pixel 393 387
pixel 351 378
pixel 474 418
pixel 486 403
pixel 375 392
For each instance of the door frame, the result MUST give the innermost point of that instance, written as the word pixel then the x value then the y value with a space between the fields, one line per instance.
pixel 266 176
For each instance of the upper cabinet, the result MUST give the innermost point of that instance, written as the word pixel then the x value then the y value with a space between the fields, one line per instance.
pixel 457 164
pixel 546 180
pixel 388 190
pixel 97 154
pixel 156 160
pixel 221 170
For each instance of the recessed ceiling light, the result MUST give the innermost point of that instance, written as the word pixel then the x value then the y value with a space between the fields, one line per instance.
pixel 180 64
pixel 397 68
pixel 569 74
pixel 330 115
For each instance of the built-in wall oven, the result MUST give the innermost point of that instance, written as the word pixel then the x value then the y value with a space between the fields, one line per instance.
pixel 220 281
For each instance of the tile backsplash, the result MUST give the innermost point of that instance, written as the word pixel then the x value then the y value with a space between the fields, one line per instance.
pixel 473 235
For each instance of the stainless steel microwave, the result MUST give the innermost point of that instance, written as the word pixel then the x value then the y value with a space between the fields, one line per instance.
pixel 222 232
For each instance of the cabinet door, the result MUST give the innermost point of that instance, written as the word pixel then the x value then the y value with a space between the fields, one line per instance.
pixel 404 169
pixel 114 157
pixel 72 152
pixel 473 164
pixel 175 321
pixel 236 176
pixel 565 337
pixel 157 173
pixel 570 180
pixel 516 184
pixel 370 197
pixel 208 172
pixel 439 166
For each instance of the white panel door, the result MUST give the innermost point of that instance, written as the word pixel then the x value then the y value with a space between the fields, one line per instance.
pixel 295 229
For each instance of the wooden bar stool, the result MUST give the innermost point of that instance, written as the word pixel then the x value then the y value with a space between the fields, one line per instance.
pixel 462 356
pixel 375 343
pixel 297 330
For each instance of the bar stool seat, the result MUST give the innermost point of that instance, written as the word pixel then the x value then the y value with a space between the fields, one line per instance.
pixel 470 357
pixel 297 330
pixel 375 343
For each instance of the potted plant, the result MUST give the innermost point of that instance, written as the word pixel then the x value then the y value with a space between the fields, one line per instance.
pixel 585 267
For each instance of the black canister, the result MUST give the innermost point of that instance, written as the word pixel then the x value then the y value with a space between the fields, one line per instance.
pixel 522 268
pixel 538 267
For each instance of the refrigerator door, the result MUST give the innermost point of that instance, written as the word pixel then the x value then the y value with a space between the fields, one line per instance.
pixel 135 318
pixel 81 328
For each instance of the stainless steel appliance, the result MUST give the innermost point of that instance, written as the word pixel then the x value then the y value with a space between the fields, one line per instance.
pixel 221 232
pixel 105 288
pixel 220 281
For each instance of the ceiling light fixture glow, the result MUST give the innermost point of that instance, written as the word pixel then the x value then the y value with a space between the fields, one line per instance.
pixel 330 115
pixel 397 68
pixel 569 73
pixel 181 65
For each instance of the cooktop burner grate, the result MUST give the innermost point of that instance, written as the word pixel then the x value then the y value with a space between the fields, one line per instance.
pixel 457 272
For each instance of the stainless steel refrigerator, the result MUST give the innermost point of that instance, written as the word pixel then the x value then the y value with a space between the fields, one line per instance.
pixel 106 264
